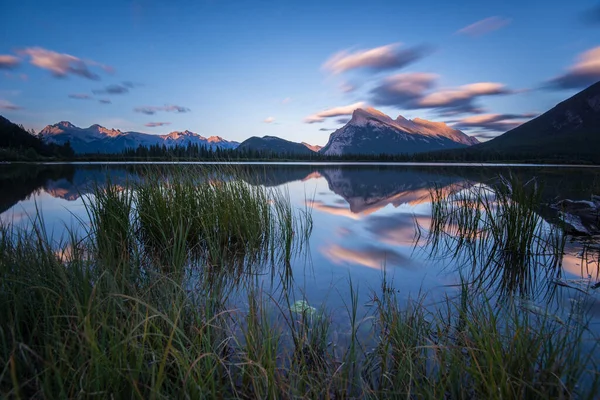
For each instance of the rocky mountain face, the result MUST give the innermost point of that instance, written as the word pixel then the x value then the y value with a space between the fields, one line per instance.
pixel 570 129
pixel 275 145
pixel 372 132
pixel 98 139
pixel 314 147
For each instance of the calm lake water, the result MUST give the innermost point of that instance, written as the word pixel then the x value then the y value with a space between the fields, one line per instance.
pixel 366 221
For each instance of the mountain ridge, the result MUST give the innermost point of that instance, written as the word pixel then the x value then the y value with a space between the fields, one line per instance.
pixel 572 127
pixel 274 144
pixel 98 139
pixel 370 131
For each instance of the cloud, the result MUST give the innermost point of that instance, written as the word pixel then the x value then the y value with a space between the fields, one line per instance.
pixel 413 91
pixel 9 62
pixel 491 124
pixel 155 124
pixel 151 110
pixel 113 89
pixel 7 105
pixel 585 72
pixel 369 256
pixel 347 87
pixel 326 129
pixel 80 96
pixel 333 112
pixel 403 89
pixel 61 64
pixel 131 85
pixel 462 99
pixel 343 121
pixel 286 100
pixel 11 75
pixel 391 56
pixel 105 101
pixel 484 26
pixel 269 120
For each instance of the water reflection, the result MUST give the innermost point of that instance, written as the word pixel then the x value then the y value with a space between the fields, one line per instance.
pixel 365 216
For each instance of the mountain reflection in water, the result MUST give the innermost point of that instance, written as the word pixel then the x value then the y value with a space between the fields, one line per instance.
pixel 366 218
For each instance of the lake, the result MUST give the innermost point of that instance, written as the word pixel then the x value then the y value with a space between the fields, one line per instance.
pixel 371 223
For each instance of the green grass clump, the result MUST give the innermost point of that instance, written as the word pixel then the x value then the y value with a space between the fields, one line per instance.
pixel 145 305
pixel 496 236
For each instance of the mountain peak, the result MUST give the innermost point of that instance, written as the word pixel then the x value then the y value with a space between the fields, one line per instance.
pixel 313 147
pixel 372 132
pixel 65 124
pixel 362 116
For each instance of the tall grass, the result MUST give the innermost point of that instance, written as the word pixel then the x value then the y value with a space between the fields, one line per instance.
pixel 146 306
pixel 497 237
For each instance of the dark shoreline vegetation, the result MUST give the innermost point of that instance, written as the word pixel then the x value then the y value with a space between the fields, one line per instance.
pixel 181 288
pixel 19 145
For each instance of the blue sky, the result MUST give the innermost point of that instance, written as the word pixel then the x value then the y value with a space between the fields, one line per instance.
pixel 225 67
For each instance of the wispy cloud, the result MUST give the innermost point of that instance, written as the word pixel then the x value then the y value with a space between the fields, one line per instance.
pixel 343 121
pixel 391 56
pixel 8 61
pixel 492 124
pixel 414 91
pixel 61 64
pixel 347 87
pixel 326 129
pixel 369 256
pixel 112 89
pixel 287 100
pixel 104 101
pixel 462 98
pixel 155 124
pixel 484 26
pixel 333 112
pixel 403 89
pixel 269 120
pixel 7 105
pixel 11 75
pixel 151 110
pixel 80 96
pixel 585 72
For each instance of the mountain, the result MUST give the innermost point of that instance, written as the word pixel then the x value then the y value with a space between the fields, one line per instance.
pixel 372 132
pixel 316 148
pixel 570 129
pixel 16 142
pixel 274 144
pixel 98 139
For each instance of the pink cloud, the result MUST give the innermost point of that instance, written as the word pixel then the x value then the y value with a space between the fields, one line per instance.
pixel 484 26
pixel 61 64
pixel 386 57
pixel 333 112
pixel 8 61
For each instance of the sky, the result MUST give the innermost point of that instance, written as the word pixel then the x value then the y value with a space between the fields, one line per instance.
pixel 293 69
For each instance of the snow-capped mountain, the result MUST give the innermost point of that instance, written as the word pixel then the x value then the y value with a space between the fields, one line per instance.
pixel 372 132
pixel 98 139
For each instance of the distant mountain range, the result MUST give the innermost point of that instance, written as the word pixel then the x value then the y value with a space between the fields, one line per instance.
pixel 372 132
pixel 98 139
pixel 570 129
pixel 276 145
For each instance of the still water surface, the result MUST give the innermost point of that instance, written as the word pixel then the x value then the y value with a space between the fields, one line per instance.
pixel 366 221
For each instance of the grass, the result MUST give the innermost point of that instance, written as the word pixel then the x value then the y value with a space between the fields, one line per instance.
pixel 169 304
pixel 497 237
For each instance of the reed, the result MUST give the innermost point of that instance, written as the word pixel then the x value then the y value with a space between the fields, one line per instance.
pixel 106 315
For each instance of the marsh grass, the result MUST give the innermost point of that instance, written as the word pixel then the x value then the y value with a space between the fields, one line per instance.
pixel 153 309
pixel 497 237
